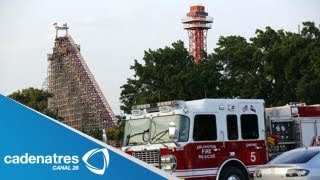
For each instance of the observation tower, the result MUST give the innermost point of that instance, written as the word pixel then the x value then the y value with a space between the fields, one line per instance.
pixel 197 22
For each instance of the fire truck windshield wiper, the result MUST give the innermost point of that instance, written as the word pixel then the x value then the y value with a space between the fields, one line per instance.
pixel 158 136
pixel 143 133
pixel 161 142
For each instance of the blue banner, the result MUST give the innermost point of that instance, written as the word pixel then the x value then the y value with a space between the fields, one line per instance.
pixel 34 146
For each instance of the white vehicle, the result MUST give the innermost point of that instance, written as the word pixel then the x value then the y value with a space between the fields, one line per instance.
pixel 302 163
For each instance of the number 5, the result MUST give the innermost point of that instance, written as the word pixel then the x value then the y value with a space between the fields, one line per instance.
pixel 253 157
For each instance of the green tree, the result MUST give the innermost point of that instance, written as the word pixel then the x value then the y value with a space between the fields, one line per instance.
pixel 309 83
pixel 289 64
pixel 156 76
pixel 97 134
pixel 116 133
pixel 113 133
pixel 277 66
pixel 170 74
pixel 36 99
pixel 241 67
pixel 274 65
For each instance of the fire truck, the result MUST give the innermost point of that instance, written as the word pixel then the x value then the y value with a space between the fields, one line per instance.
pixel 199 139
pixel 296 125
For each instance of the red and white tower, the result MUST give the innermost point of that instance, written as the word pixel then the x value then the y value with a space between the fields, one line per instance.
pixel 197 22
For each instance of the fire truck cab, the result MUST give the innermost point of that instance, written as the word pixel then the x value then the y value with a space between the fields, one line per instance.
pixel 206 138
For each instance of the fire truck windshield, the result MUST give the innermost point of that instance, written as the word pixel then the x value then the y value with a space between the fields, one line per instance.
pixel 155 130
pixel 136 132
pixel 160 124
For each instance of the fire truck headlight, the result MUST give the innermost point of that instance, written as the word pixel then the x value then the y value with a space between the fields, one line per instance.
pixel 168 163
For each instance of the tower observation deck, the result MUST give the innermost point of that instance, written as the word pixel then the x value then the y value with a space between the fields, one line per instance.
pixel 77 97
pixel 197 22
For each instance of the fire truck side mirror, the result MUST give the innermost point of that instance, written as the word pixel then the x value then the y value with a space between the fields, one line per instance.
pixel 173 132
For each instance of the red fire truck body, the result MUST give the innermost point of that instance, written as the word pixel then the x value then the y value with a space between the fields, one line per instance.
pixel 212 139
pixel 296 125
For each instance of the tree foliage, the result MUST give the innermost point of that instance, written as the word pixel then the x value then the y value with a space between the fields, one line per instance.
pixel 116 133
pixel 113 133
pixel 290 61
pixel 274 65
pixel 36 99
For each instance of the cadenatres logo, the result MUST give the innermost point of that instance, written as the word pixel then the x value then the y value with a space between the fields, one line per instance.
pixel 60 162
pixel 92 152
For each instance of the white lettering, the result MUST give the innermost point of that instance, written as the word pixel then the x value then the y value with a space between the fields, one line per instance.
pixel 251 145
pixel 210 156
pixel 206 151
pixel 67 159
pixel 7 159
pixel 24 159
pixel 32 159
pixel 61 168
pixel 48 159
pixel 210 146
pixel 15 160
pixel 253 157
pixel 75 159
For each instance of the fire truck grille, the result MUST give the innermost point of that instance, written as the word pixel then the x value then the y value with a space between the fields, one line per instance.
pixel 150 157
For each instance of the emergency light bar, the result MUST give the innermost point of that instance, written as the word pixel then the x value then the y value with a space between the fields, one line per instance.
pixel 172 103
pixel 160 106
pixel 141 106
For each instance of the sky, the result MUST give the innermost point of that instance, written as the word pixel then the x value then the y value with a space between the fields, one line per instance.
pixel 112 34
